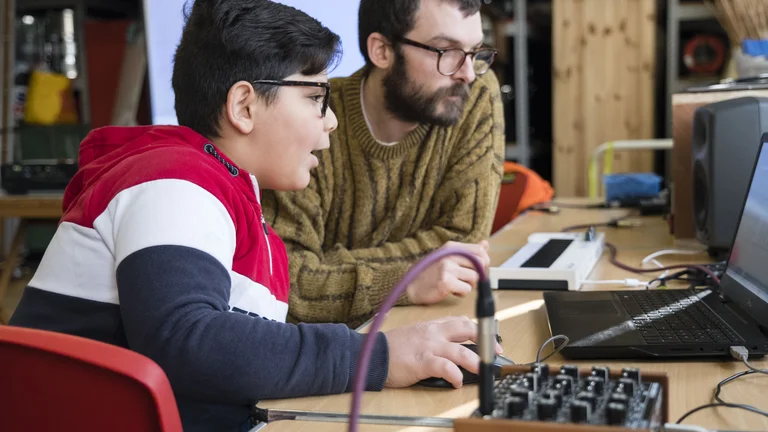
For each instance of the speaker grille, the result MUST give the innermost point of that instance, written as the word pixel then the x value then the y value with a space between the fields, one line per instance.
pixel 700 139
pixel 700 197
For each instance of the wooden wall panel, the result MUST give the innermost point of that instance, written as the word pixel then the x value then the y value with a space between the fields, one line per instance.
pixel 603 83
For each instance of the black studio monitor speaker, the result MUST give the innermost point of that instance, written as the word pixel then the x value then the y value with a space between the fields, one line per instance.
pixel 726 139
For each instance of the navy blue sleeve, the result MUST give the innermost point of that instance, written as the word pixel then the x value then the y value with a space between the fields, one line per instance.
pixel 174 306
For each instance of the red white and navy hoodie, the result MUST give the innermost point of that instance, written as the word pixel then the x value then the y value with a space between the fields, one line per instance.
pixel 163 249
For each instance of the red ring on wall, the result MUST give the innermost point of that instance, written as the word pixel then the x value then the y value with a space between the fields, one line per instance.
pixel 714 43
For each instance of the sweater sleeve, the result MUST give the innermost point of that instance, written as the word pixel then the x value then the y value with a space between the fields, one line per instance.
pixel 348 285
pixel 173 243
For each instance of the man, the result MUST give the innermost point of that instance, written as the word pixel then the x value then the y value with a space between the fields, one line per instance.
pixel 416 164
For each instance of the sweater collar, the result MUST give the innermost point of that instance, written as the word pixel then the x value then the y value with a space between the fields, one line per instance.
pixel 358 125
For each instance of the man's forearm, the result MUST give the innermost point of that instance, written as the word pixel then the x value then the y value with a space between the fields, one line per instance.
pixel 349 285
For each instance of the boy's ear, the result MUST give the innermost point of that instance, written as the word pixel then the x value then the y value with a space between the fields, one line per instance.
pixel 380 51
pixel 240 104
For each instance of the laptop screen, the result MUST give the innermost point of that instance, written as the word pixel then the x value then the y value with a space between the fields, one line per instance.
pixel 746 277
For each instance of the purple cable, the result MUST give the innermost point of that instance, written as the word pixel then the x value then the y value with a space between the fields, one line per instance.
pixel 365 354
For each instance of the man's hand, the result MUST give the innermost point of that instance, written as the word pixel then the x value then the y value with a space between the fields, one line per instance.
pixel 432 349
pixel 451 275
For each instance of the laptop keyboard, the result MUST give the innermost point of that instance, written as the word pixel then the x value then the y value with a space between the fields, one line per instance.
pixel 675 316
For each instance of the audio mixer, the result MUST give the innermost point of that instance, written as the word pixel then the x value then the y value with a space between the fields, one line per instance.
pixel 569 398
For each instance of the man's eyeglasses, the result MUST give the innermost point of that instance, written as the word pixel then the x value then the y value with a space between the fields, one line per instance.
pixel 325 85
pixel 449 61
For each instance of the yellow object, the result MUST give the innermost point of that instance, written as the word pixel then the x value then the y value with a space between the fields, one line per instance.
pixel 594 179
pixel 49 100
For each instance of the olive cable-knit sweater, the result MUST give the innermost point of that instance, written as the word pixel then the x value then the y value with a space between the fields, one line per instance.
pixel 371 210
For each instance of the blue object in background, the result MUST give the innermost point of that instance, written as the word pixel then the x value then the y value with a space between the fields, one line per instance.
pixel 755 48
pixel 631 185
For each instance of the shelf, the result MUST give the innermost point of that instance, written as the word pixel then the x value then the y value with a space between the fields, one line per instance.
pixel 109 6
pixel 682 84
pixel 694 11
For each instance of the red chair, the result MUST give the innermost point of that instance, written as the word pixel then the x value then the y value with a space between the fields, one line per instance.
pixel 53 381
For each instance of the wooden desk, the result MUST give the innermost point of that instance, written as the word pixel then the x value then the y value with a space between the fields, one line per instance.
pixel 523 327
pixel 29 209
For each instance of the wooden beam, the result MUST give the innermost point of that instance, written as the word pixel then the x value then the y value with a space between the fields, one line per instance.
pixel 603 83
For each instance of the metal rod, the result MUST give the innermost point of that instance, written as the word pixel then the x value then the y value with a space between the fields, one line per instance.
pixel 272 415
pixel 673 49
pixel 521 83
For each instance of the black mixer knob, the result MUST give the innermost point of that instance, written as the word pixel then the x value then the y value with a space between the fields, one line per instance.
pixel 564 383
pixel 627 386
pixel 595 384
pixel 532 381
pixel 602 372
pixel 570 370
pixel 589 398
pixel 617 413
pixel 631 373
pixel 620 398
pixel 546 409
pixel 554 395
pixel 522 393
pixel 542 370
pixel 580 411
pixel 514 406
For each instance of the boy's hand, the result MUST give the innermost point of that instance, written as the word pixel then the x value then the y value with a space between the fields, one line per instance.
pixel 451 275
pixel 432 349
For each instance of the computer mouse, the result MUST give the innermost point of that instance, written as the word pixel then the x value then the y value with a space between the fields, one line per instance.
pixel 468 377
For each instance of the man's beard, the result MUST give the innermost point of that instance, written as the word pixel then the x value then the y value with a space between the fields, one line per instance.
pixel 408 101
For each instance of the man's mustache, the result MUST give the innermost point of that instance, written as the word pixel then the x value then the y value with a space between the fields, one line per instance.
pixel 458 90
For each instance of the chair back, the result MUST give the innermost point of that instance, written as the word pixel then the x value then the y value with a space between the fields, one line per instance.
pixel 54 381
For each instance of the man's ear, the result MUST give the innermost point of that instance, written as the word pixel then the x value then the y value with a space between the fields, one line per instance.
pixel 380 51
pixel 240 107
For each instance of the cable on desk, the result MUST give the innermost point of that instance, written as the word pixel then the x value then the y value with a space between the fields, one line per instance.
pixel 652 259
pixel 623 222
pixel 739 353
pixel 614 252
pixel 554 207
pixel 557 349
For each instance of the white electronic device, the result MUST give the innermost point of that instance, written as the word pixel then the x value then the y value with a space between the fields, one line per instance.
pixel 550 261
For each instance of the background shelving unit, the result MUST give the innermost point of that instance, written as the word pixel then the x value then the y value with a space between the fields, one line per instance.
pixel 680 12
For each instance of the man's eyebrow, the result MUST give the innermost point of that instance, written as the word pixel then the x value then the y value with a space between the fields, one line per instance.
pixel 452 41
pixel 444 38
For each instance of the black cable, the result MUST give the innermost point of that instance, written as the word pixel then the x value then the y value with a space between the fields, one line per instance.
pixel 721 403
pixel 622 222
pixel 693 276
pixel 550 205
pixel 544 345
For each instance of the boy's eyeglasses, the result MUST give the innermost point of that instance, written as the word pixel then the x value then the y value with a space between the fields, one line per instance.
pixel 449 61
pixel 325 85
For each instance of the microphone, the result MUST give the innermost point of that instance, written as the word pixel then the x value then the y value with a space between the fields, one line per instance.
pixel 485 311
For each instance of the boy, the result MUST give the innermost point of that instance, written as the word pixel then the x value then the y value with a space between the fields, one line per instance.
pixel 163 248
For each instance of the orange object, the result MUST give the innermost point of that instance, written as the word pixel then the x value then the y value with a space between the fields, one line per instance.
pixel 521 188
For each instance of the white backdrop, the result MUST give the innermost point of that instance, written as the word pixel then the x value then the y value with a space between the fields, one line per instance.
pixel 164 21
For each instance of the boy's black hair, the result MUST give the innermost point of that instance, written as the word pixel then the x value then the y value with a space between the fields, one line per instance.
pixel 226 41
pixel 395 18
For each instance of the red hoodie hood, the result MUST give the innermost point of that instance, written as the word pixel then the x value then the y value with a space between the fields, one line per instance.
pixel 105 147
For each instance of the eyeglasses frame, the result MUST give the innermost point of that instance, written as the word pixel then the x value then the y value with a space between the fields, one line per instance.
pixel 325 85
pixel 440 53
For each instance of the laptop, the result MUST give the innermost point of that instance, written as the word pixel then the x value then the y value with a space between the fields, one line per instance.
pixel 679 322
